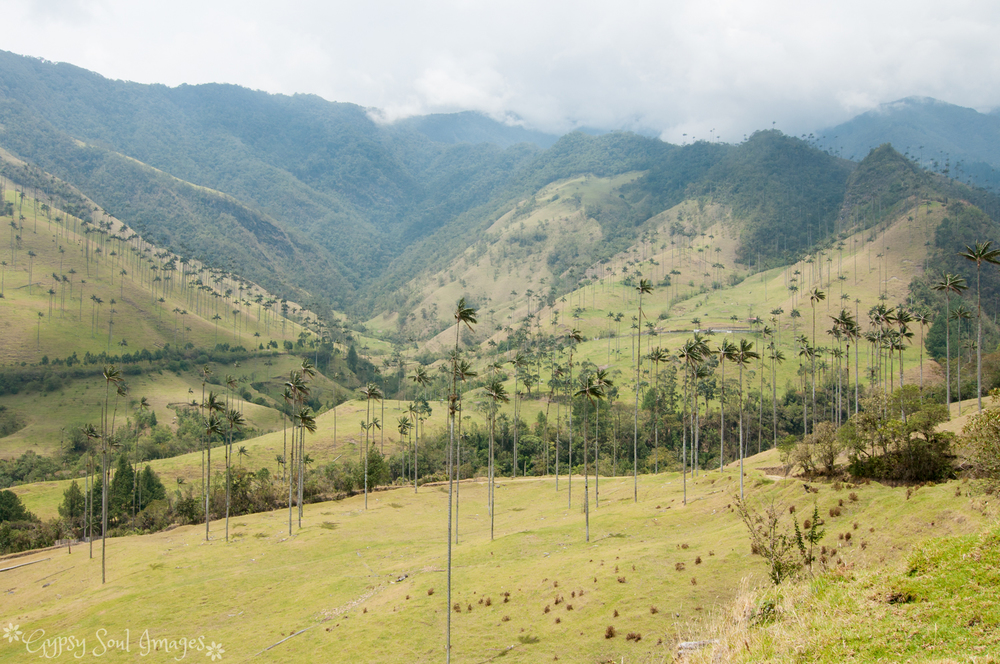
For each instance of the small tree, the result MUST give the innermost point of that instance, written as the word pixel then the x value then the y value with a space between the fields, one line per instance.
pixel 785 552
pixel 12 509
pixel 73 507
pixel 981 437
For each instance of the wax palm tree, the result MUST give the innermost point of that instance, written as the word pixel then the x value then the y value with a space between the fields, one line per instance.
pixel 690 355
pixel 657 355
pixel 306 371
pixel 466 315
pixel 141 407
pixel 644 287
pixel 699 374
pixel 981 253
pixel 603 381
pixel 111 376
pixel 726 351
pixel 465 372
pixel 413 412
pixel 92 434
pixel 959 314
pixel 519 362
pixel 777 357
pixel 212 425
pixel 241 453
pixel 923 319
pixel 419 377
pixel 745 354
pixel 902 337
pixel 767 333
pixel 235 421
pixel 286 397
pixel 592 392
pixel 949 283
pixel 554 382
pixel 307 423
pixel 403 426
pixel 370 392
pixel 851 331
pixel 815 295
pixel 573 337
pixel 497 395
pixel 296 387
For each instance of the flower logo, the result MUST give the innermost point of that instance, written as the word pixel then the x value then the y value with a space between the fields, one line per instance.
pixel 12 632
pixel 215 651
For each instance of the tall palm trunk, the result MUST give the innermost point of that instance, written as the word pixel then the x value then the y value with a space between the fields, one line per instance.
pixel 741 431
pixel 684 419
pixel 586 477
pixel 722 419
pixel 947 345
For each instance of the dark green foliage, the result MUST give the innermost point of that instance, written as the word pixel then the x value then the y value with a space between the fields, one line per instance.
pixel 150 488
pixel 12 509
pixel 29 467
pixel 378 471
pixel 120 490
pixel 779 187
pixel 881 445
pixel 187 507
pixel 10 421
pixel 73 507
pixel 17 536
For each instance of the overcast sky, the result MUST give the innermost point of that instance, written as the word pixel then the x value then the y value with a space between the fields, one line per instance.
pixel 677 68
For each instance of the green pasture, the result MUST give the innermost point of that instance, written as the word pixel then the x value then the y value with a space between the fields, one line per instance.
pixel 656 568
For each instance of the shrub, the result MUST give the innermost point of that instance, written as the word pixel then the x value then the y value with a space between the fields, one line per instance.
pixel 785 552
pixel 981 436
pixel 889 448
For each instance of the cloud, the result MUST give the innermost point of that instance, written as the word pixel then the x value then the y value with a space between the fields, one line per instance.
pixel 718 68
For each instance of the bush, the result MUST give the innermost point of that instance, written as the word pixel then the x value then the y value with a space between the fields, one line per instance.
pixel 785 550
pixel 883 446
pixel 819 450
pixel 981 438
pixel 12 509
pixel 17 536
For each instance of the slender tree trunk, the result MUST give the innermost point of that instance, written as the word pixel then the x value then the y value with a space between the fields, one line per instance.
pixel 490 496
pixel 586 477
pixel 597 443
pixel 741 432
pixel 684 417
pixel 569 442
pixel 722 419
pixel 947 343
pixel 451 436
pixel 979 346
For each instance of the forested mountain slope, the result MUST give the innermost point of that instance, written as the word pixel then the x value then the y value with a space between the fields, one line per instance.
pixel 947 138
pixel 320 202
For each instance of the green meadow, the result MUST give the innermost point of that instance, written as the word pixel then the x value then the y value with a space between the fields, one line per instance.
pixel 370 585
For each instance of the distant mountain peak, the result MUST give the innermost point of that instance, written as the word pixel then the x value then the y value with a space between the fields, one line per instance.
pixel 907 103
pixel 934 133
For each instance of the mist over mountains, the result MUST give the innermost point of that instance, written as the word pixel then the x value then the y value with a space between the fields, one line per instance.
pixel 319 201
pixel 960 142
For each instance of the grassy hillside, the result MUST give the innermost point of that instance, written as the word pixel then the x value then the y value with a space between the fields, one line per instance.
pixel 932 605
pixel 57 265
pixel 655 568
